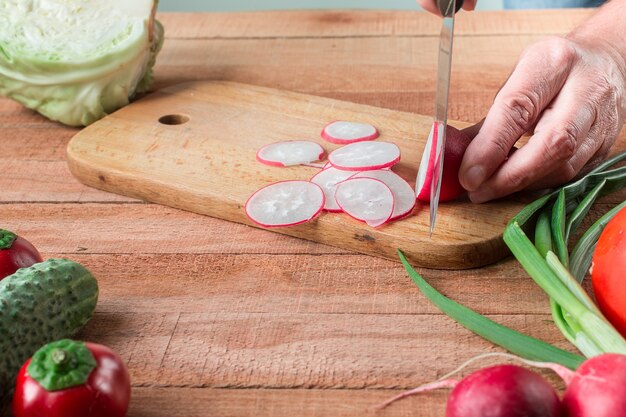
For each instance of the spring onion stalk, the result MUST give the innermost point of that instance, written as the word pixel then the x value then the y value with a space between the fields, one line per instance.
pixel 557 216
pixel 515 342
pixel 582 210
pixel 543 238
pixel 572 284
pixel 558 228
pixel 583 251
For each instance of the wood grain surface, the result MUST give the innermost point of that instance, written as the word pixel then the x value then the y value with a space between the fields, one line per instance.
pixel 207 164
pixel 218 318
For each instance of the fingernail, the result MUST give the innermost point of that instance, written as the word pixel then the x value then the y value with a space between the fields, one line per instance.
pixel 474 178
pixel 480 196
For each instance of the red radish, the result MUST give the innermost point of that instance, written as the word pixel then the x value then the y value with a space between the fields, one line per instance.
pixel 289 153
pixel 72 379
pixel 403 194
pixel 366 199
pixel 343 133
pixel 503 391
pixel 365 156
pixel 451 189
pixel 328 179
pixel 15 253
pixel 598 388
pixel 286 203
pixel 498 391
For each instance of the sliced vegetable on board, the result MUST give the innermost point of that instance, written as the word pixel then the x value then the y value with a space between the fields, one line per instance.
pixel 403 194
pixel 328 179
pixel 365 156
pixel 343 133
pixel 76 61
pixel 15 253
pixel 366 199
pixel 48 301
pixel 286 203
pixel 290 153
pixel 72 379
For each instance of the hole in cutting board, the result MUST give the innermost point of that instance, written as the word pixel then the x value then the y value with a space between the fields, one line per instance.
pixel 173 119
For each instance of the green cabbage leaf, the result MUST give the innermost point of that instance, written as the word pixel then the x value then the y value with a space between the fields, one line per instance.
pixel 75 61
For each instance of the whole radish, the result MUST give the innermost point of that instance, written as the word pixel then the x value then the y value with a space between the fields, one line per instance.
pixel 598 388
pixel 451 188
pixel 503 391
pixel 15 253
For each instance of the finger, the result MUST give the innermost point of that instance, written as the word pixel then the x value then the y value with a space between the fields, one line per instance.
pixel 430 6
pixel 469 5
pixel 536 80
pixel 558 142
pixel 591 152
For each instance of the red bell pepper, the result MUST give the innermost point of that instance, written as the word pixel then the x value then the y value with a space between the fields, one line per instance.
pixel 72 379
pixel 15 253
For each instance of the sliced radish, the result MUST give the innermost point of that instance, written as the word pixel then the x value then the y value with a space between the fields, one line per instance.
pixel 403 193
pixel 286 203
pixel 365 156
pixel 343 133
pixel 289 153
pixel 366 199
pixel 328 179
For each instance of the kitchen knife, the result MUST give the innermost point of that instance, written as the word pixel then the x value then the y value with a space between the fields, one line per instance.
pixel 432 160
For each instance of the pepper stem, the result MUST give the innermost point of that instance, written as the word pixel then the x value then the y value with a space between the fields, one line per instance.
pixel 61 365
pixel 6 239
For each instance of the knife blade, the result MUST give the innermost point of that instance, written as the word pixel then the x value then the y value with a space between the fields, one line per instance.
pixel 437 137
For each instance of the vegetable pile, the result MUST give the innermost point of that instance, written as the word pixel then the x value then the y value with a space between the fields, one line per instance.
pixel 357 180
pixel 42 302
pixel 75 61
pixel 598 387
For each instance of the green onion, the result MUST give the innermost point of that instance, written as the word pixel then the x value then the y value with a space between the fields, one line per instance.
pixel 582 210
pixel 583 251
pixel 558 228
pixel 558 215
pixel 515 342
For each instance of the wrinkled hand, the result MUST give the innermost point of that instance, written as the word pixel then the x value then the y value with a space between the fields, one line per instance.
pixel 431 5
pixel 571 94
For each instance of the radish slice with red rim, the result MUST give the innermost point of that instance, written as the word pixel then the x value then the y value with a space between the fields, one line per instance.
pixel 286 203
pixel 366 199
pixel 342 133
pixel 328 179
pixel 289 153
pixel 365 156
pixel 403 193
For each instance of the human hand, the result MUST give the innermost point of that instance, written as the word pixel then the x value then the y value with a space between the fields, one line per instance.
pixel 571 94
pixel 431 5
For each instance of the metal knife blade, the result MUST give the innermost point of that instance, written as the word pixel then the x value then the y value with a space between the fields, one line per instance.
pixel 437 137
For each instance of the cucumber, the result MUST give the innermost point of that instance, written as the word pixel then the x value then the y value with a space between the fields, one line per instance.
pixel 46 302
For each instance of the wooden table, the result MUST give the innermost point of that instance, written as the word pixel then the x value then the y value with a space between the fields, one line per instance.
pixel 220 319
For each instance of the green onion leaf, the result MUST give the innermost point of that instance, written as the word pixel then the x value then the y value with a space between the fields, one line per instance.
pixel 558 228
pixel 582 253
pixel 515 342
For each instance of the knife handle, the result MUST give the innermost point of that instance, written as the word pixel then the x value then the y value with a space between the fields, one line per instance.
pixel 444 4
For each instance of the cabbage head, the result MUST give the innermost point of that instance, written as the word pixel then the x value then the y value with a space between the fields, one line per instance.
pixel 75 61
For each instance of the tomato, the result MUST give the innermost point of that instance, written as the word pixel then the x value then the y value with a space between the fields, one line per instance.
pixel 72 379
pixel 609 272
pixel 15 253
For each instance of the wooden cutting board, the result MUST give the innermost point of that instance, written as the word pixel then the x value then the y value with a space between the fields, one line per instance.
pixel 193 146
